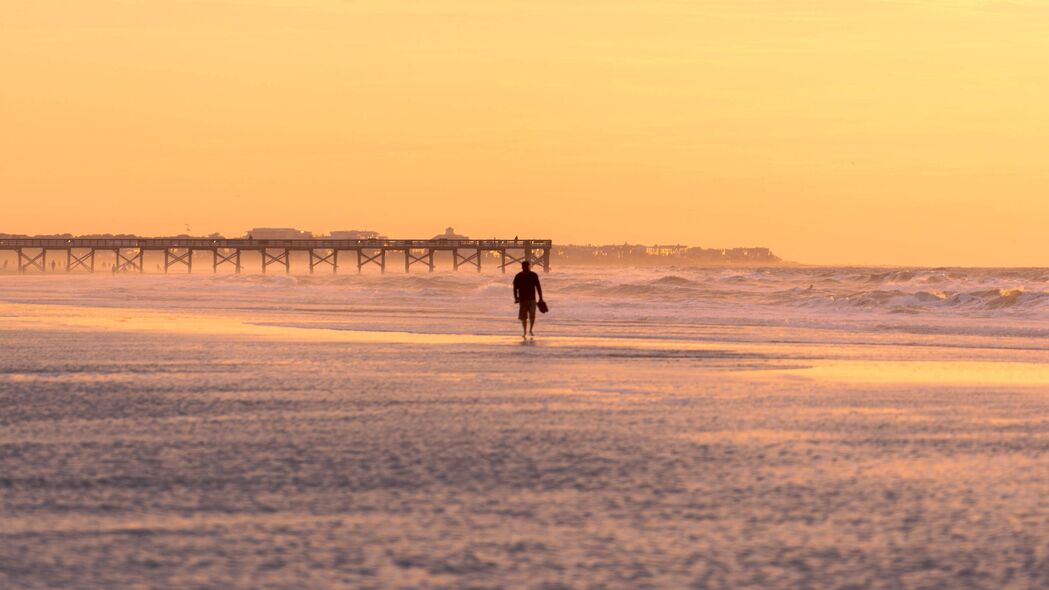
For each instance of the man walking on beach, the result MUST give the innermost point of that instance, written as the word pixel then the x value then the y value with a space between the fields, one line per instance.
pixel 526 285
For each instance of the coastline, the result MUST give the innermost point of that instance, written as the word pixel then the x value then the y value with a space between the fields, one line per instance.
pixel 155 434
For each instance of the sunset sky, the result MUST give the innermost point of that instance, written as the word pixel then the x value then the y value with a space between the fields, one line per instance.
pixel 833 131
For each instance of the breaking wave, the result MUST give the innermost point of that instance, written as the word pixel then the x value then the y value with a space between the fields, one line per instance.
pixel 988 302
pixel 893 291
pixel 982 292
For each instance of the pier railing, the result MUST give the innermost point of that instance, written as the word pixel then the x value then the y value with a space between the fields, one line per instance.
pixel 129 253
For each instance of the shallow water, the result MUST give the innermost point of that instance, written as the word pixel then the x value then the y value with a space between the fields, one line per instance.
pixel 712 429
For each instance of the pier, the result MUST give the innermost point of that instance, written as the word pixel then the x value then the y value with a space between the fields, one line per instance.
pixel 325 254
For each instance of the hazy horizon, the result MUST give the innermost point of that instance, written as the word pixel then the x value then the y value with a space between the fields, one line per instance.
pixel 853 131
pixel 783 259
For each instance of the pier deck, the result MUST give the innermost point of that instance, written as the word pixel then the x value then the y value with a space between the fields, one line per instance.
pixel 129 253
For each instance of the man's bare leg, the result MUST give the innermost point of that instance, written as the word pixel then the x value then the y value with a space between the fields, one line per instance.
pixel 531 326
pixel 524 328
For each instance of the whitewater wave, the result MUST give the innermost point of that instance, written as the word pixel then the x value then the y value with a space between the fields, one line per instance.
pixel 981 292
pixel 676 301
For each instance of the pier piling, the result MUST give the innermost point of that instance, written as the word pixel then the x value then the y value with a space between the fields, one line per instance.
pixel 129 253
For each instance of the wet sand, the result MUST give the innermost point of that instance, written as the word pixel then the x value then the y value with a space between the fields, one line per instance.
pixel 144 447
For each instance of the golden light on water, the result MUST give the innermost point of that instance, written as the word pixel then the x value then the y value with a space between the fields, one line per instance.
pixel 950 373
pixel 821 362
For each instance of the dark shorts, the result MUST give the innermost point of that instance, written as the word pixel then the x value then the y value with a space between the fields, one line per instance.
pixel 527 311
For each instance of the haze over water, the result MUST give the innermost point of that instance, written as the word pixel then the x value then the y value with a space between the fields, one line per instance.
pixel 709 428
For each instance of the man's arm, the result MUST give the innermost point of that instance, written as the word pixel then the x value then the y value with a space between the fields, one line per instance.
pixel 517 297
pixel 538 287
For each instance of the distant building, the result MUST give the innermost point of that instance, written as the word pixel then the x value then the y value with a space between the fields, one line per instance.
pixel 661 254
pixel 449 234
pixel 666 250
pixel 356 234
pixel 278 233
pixel 751 255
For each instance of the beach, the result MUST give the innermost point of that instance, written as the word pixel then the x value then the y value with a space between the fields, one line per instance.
pixel 668 428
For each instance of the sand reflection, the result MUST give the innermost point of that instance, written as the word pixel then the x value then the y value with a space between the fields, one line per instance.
pixel 927 372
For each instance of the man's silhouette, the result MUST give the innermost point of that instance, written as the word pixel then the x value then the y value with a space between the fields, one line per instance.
pixel 526 285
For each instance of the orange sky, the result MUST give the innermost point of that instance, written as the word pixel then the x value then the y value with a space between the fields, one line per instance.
pixel 833 131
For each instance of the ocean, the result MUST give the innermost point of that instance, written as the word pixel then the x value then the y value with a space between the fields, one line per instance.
pixel 777 427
